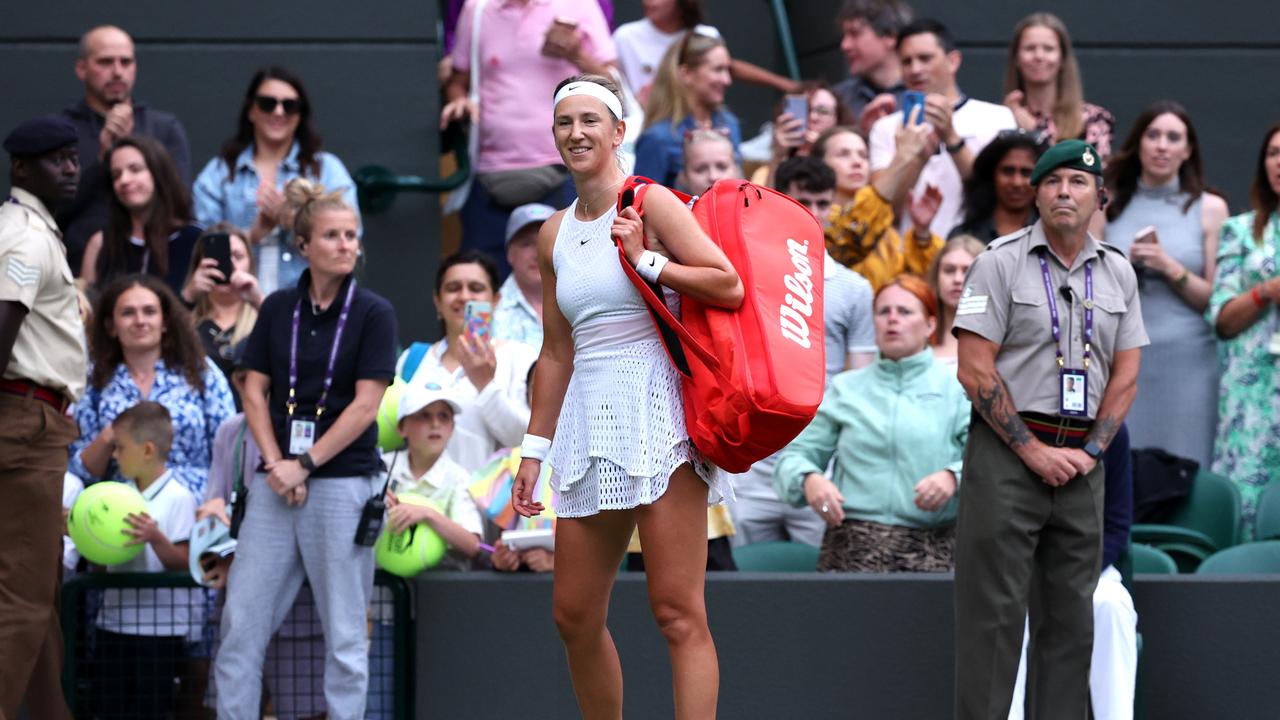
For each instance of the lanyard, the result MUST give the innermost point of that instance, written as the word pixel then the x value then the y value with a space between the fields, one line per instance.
pixel 292 403
pixel 1053 310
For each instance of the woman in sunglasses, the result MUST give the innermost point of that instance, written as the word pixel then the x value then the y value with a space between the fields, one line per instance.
pixel 274 143
pixel 998 197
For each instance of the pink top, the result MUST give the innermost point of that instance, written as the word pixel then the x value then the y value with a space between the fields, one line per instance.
pixel 517 81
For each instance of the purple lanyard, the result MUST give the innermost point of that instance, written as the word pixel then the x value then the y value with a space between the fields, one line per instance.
pixel 1053 310
pixel 292 403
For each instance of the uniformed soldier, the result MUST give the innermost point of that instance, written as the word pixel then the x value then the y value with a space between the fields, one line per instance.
pixel 42 356
pixel 1050 332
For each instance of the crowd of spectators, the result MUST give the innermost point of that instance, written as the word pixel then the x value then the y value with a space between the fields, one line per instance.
pixel 910 177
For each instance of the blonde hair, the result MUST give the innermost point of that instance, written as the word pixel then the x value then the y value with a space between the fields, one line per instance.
pixel 1068 106
pixel 668 98
pixel 203 309
pixel 303 200
pixel 967 243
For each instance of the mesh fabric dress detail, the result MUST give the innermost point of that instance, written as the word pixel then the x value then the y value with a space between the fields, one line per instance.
pixel 621 430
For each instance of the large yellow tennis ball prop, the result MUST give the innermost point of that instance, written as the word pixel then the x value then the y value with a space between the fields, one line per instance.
pixel 388 433
pixel 97 526
pixel 416 549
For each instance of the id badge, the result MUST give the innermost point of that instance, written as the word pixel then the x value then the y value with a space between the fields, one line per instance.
pixel 302 435
pixel 1073 393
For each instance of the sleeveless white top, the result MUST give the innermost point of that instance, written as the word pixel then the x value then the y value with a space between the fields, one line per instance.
pixel 621 430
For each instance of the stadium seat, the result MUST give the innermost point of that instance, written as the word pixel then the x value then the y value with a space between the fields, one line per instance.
pixel 776 557
pixel 1148 560
pixel 1255 558
pixel 1208 521
pixel 1266 526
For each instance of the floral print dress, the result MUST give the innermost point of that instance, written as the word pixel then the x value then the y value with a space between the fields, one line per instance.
pixel 1247 448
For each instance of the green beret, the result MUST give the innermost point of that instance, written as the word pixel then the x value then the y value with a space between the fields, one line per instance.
pixel 1074 154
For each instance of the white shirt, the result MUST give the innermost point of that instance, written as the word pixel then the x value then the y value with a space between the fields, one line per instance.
pixel 446 483
pixel 158 612
pixel 641 46
pixel 976 122
pixel 72 486
pixel 491 419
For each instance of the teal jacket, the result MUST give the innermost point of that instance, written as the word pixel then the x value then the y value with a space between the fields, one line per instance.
pixel 888 425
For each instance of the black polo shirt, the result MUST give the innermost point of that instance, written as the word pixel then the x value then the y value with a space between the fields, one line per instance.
pixel 367 352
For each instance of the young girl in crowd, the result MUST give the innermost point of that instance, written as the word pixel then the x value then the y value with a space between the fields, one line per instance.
pixel 708 157
pixel 946 279
pixel 688 94
pixel 149 228
pixel 610 397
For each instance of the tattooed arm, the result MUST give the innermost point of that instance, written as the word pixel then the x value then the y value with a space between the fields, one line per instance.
pixel 1116 399
pixel 990 397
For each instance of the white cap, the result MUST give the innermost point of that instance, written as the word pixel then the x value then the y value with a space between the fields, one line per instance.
pixel 416 396
pixel 527 215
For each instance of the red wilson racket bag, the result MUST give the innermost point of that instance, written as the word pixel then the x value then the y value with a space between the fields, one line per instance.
pixel 752 377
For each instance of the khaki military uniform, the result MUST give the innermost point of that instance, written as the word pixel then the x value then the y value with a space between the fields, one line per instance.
pixel 50 353
pixel 1021 542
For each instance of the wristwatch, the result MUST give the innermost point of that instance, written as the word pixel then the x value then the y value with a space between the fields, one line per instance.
pixel 1093 450
pixel 953 149
pixel 308 464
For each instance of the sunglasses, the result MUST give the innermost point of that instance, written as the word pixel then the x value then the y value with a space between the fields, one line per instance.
pixel 268 104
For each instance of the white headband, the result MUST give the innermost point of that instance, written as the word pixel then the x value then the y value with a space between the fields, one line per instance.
pixel 594 90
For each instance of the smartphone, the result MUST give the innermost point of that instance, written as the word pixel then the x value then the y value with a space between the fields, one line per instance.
pixel 912 99
pixel 479 319
pixel 218 247
pixel 797 106
pixel 1145 235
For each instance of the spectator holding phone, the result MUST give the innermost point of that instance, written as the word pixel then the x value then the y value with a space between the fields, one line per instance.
pixel 961 125
pixel 1043 88
pixel 1161 215
pixel 149 228
pixel 860 227
pixel 998 197
pixel 688 94
pixel 801 118
pixel 320 358
pixel 225 304
pixel 142 346
pixel 1243 310
pixel 275 142
pixel 486 377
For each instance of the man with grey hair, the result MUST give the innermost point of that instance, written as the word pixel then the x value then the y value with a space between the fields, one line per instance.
pixel 868 36
pixel 108 69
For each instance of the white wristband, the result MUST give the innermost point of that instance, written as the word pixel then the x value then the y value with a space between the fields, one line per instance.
pixel 650 265
pixel 534 447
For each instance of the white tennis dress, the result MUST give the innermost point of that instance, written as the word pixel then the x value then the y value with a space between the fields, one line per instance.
pixel 621 431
